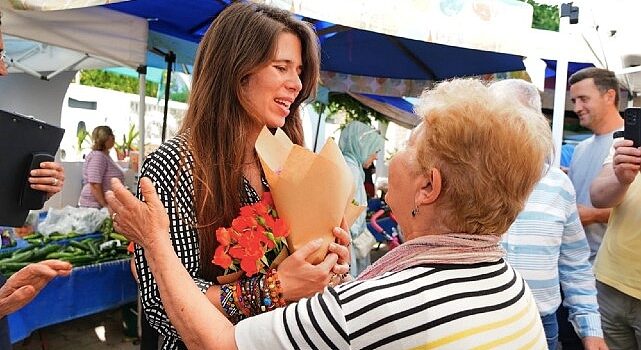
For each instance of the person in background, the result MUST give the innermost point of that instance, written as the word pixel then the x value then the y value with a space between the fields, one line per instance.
pixel 359 144
pixel 618 262
pixel 595 95
pixel 267 62
pixel 546 243
pixel 447 286
pixel 567 150
pixel 98 169
pixel 370 188
pixel 25 284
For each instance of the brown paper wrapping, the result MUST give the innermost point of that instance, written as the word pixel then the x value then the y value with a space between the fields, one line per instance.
pixel 312 192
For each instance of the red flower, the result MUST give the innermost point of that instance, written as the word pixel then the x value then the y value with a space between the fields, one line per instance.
pixel 261 209
pixel 280 228
pixel 221 258
pixel 254 233
pixel 243 223
pixel 249 265
pixel 247 210
pixel 223 237
pixel 267 199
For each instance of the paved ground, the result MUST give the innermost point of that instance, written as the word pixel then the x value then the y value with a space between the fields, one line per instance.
pixel 82 334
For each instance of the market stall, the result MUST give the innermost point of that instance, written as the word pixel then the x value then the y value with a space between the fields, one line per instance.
pixel 88 290
pixel 101 278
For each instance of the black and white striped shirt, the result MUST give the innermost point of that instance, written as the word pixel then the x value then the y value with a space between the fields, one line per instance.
pixel 484 306
pixel 170 167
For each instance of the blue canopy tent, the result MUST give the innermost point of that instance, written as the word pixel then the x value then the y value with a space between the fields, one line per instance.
pixel 344 50
pixel 573 67
pixel 362 52
pixel 178 27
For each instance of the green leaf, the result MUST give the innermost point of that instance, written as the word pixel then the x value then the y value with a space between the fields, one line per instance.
pixel 353 109
pixel 545 16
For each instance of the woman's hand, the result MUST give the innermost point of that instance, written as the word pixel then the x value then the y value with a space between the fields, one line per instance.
pixel 145 223
pixel 341 248
pixel 48 178
pixel 299 278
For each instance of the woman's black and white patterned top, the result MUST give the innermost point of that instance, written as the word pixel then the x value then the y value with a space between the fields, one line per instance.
pixel 170 168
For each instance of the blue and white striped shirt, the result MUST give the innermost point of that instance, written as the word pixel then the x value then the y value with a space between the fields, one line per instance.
pixel 547 245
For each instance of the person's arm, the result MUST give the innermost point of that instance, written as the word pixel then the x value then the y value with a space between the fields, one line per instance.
pixel 590 215
pixel 98 194
pixel 610 186
pixel 25 284
pixel 183 238
pixel 95 168
pixel 200 324
pixel 298 277
pixel 577 279
pixel 50 178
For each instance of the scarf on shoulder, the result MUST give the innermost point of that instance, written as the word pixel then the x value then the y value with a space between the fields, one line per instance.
pixel 449 248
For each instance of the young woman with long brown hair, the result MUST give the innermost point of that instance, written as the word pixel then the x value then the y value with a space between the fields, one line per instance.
pixel 255 66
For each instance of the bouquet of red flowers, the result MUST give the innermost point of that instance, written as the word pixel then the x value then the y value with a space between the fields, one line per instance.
pixel 254 240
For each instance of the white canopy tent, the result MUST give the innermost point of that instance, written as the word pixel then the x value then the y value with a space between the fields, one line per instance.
pixel 98 33
pixel 44 44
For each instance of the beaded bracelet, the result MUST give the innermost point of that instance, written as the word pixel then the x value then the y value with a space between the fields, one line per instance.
pixel 228 303
pixel 241 299
pixel 272 292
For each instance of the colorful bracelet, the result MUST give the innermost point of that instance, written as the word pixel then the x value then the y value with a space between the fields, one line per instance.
pixel 273 295
pixel 228 303
pixel 241 299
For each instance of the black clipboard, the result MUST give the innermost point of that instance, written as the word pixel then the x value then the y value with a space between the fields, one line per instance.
pixel 22 139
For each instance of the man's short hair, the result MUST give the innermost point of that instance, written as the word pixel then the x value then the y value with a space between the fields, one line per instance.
pixel 604 80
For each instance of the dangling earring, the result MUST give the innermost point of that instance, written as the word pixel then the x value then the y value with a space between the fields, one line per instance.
pixel 414 212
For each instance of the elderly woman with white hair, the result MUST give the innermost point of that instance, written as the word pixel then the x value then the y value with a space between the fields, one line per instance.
pixel 546 243
pixel 455 190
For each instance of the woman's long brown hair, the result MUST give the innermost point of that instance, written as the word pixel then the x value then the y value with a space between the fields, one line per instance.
pixel 241 40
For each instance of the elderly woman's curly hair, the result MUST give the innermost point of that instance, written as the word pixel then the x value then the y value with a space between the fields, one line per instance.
pixel 490 153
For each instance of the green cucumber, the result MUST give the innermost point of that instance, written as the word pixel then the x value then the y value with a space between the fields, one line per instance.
pixel 44 251
pixel 13 266
pixel 118 236
pixel 21 257
pixel 79 245
pixel 80 260
pixel 60 255
pixel 35 235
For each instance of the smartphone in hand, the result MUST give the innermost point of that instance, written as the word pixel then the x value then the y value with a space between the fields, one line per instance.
pixel 632 125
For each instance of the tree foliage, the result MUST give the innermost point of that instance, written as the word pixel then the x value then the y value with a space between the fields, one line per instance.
pixel 353 109
pixel 545 16
pixel 114 81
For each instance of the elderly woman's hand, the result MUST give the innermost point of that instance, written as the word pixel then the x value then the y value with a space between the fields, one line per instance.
pixel 145 223
pixel 25 284
pixel 48 178
pixel 299 278
pixel 341 248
